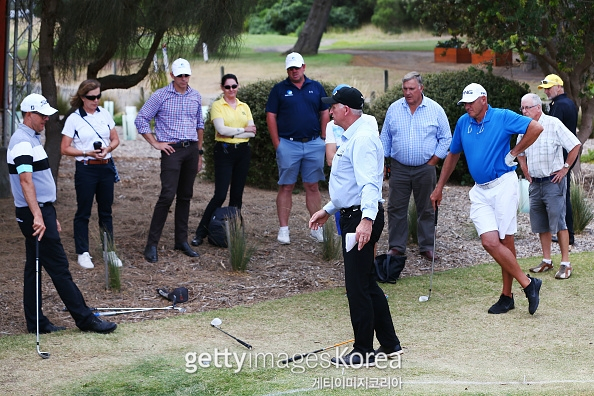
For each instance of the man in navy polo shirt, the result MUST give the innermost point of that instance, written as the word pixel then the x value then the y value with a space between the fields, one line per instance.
pixel 297 119
pixel 564 109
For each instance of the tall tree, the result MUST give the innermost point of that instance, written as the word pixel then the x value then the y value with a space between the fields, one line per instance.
pixel 89 34
pixel 559 33
pixel 310 36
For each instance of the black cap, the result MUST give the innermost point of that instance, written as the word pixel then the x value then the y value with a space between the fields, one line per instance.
pixel 348 96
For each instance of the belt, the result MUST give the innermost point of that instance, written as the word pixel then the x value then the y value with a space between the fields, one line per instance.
pixel 42 204
pixel 182 143
pixel 356 208
pixel 304 140
pixel 542 179
pixel 233 145
pixel 495 182
pixel 95 161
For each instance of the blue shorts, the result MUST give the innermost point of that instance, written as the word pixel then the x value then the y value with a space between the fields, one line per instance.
pixel 293 158
pixel 547 206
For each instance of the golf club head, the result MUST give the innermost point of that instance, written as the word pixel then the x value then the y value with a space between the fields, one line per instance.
pixel 216 322
pixel 423 298
pixel 44 355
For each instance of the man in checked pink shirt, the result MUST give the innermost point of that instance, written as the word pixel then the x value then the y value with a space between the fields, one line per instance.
pixel 177 111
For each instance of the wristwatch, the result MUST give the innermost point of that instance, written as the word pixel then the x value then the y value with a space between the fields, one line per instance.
pixel 201 152
pixel 566 165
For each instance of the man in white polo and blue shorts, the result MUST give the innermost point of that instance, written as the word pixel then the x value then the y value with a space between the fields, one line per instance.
pixel 546 170
pixel 484 134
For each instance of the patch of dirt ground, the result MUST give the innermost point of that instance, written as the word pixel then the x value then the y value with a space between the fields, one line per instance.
pixel 275 271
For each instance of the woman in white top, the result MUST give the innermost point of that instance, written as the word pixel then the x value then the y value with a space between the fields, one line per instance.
pixel 90 137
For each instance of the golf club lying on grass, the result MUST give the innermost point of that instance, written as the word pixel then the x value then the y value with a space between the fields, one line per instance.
pixel 216 322
pixel 301 356
pixel 44 355
pixel 120 311
pixel 426 298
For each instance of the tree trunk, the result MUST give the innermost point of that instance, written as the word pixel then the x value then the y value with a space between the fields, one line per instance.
pixel 310 37
pixel 53 127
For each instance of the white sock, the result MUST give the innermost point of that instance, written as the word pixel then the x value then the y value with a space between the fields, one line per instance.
pixel 548 261
pixel 286 228
pixel 567 263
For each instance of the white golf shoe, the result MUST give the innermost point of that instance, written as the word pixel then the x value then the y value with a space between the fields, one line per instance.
pixel 84 260
pixel 318 234
pixel 113 259
pixel 283 237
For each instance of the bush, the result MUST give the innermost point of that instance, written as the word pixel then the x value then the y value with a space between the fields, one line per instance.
pixel 392 16
pixel 446 89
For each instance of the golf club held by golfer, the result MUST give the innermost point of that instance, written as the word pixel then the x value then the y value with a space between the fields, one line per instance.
pixel 426 298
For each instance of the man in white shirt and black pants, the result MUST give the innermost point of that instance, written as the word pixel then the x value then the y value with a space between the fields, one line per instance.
pixel 356 190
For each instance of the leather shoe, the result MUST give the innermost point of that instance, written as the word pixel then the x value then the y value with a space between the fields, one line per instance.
pixel 150 253
pixel 186 249
pixel 395 252
pixel 197 240
pixel 50 328
pixel 429 255
pixel 100 326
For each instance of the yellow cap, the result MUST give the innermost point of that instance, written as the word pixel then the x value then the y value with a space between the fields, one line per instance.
pixel 550 81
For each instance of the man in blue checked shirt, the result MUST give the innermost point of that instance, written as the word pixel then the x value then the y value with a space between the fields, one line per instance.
pixel 355 187
pixel 415 135
pixel 177 111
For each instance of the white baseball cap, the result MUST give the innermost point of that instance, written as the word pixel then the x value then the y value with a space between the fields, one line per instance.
pixel 294 59
pixel 181 66
pixel 472 92
pixel 37 103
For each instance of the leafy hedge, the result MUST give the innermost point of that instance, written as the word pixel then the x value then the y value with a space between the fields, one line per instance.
pixel 445 88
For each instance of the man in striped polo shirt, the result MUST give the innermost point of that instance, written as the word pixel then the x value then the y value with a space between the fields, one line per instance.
pixel 34 192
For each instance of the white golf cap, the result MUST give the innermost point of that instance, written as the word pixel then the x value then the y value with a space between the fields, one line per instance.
pixel 181 66
pixel 472 92
pixel 294 59
pixel 37 103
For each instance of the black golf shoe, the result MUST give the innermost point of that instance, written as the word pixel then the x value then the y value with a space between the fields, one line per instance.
pixel 50 328
pixel 391 353
pixel 504 304
pixel 197 240
pixel 532 294
pixel 100 326
pixel 355 360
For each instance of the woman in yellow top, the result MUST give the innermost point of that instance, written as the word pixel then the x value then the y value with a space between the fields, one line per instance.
pixel 234 127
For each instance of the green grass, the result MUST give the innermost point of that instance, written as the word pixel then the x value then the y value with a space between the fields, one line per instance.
pixel 587 157
pixel 452 346
pixel 421 45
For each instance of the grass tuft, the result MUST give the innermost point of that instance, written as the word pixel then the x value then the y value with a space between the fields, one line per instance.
pixel 240 252
pixel 332 245
pixel 582 209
